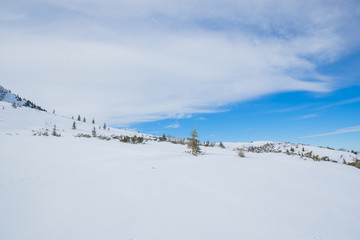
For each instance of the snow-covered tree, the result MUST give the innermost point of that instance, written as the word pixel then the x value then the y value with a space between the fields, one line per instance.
pixel 74 126
pixel 79 118
pixel 221 145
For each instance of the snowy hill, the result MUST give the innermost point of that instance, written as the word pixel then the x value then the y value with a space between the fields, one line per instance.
pixel 7 96
pixel 96 188
pixel 302 150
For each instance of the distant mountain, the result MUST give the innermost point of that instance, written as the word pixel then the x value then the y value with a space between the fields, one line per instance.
pixel 8 96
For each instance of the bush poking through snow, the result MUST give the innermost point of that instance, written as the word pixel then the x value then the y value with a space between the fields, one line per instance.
pixel 240 153
pixel 54 133
pixel 102 137
pixel 356 163
pixel 40 133
pixel 83 135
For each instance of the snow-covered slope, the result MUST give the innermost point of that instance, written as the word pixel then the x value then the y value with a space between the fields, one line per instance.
pixel 27 121
pixel 7 96
pixel 86 188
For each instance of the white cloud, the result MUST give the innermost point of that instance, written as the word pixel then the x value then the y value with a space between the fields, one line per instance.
pixel 174 125
pixel 309 116
pixel 134 61
pixel 339 131
pixel 345 102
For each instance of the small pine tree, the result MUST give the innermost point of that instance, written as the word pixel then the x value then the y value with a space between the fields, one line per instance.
pixel 221 145
pixel 104 126
pixel 93 121
pixel 74 125
pixel 14 105
pixel 54 133
pixel 84 119
pixel 163 138
pixel 93 132
pixel 54 111
pixel 79 118
pixel 193 143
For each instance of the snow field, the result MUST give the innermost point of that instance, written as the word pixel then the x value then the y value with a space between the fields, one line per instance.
pixel 77 188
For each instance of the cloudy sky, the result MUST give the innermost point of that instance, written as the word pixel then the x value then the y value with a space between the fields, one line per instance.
pixel 168 66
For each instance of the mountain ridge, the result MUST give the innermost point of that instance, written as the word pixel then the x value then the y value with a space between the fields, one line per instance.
pixel 7 96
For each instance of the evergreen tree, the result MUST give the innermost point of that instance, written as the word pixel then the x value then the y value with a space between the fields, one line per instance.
pixel 79 118
pixel 93 132
pixel 104 126
pixel 74 125
pixel 221 145
pixel 193 143
pixel 93 121
pixel 84 120
pixel 163 138
pixel 54 131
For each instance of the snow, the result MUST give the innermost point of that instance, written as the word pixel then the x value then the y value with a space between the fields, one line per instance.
pixel 335 155
pixel 86 188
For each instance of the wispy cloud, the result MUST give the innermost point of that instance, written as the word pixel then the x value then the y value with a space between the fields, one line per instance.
pixel 309 116
pixel 174 125
pixel 339 131
pixel 136 61
pixel 345 102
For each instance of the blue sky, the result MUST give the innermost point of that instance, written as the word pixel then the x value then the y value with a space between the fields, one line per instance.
pixel 296 117
pixel 321 119
pixel 236 64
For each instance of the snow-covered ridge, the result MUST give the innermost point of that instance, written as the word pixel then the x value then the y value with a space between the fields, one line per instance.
pixel 302 150
pixel 8 96
pixel 29 122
